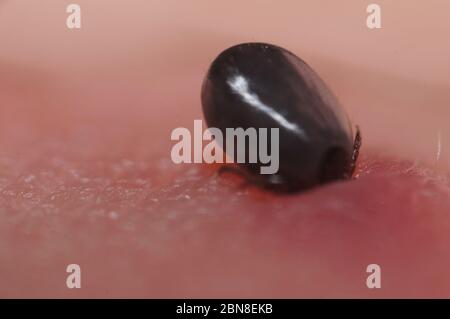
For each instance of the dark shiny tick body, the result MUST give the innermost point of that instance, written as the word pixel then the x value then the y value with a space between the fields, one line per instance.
pixel 276 89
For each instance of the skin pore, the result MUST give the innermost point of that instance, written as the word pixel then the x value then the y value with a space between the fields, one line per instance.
pixel 86 175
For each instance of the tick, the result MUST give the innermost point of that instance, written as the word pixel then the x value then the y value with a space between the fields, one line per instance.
pixel 259 85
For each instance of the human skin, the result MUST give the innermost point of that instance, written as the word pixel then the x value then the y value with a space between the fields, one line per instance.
pixel 86 175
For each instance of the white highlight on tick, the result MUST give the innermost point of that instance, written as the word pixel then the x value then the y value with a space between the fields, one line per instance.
pixel 240 86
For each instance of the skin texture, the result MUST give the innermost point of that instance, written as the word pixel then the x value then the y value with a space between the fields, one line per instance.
pixel 86 175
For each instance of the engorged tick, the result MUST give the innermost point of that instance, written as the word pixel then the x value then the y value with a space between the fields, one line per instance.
pixel 265 86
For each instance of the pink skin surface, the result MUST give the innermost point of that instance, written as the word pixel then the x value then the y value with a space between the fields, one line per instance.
pixel 86 175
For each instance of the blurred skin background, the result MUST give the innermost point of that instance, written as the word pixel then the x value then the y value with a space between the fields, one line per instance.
pixel 86 175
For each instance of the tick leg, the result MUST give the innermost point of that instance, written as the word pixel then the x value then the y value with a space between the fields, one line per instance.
pixel 356 146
